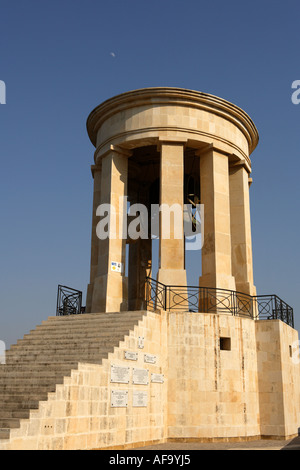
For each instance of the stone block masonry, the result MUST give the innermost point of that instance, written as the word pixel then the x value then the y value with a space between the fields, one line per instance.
pixel 171 376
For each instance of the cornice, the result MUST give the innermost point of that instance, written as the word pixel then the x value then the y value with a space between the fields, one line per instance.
pixel 173 96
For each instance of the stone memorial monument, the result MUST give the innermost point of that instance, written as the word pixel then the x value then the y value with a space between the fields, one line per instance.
pixel 153 359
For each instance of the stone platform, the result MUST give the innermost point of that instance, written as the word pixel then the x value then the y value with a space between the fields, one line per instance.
pixel 134 379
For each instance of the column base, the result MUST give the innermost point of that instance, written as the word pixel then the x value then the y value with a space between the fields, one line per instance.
pixel 172 277
pixel 176 297
pixel 246 288
pixel 110 293
pixel 222 281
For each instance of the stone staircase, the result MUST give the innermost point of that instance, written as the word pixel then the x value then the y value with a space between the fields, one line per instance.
pixel 41 360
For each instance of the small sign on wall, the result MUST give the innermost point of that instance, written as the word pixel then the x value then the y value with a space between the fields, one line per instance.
pixel 119 374
pixel 119 398
pixel 140 376
pixel 131 356
pixel 140 399
pixel 116 267
pixel 157 378
pixel 150 358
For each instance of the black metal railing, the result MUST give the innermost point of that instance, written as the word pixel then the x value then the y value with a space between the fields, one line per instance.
pixel 69 301
pixel 272 307
pixel 210 300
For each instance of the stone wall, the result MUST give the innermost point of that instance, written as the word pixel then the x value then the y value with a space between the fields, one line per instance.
pixel 278 374
pixel 213 392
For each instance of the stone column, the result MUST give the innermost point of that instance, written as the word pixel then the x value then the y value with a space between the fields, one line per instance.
pixel 171 249
pixel 96 172
pixel 241 242
pixel 216 251
pixel 110 286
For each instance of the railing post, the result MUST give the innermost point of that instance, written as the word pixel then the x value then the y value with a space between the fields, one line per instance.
pixel 165 297
pixel 234 302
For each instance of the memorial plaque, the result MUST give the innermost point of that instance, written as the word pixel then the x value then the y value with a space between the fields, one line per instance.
pixel 150 358
pixel 141 342
pixel 131 356
pixel 119 398
pixel 140 399
pixel 157 378
pixel 140 376
pixel 119 374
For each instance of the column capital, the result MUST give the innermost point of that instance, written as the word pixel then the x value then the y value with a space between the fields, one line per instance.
pixel 210 148
pixel 171 141
pixel 235 161
pixel 98 156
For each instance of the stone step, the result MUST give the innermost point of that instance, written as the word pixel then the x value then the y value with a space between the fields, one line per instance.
pixel 4 433
pixel 13 376
pixel 92 318
pixel 71 336
pixel 26 360
pixel 77 331
pixel 20 405
pixel 80 326
pixel 37 366
pixel 33 354
pixel 63 350
pixel 114 317
pixel 98 314
pixel 23 395
pixel 105 321
pixel 46 341
pixel 92 359
pixel 91 355
pixel 11 414
pixel 11 423
pixel 29 383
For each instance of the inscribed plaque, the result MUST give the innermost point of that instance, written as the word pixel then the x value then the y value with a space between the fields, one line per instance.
pixel 157 378
pixel 140 399
pixel 119 374
pixel 131 356
pixel 119 398
pixel 140 376
pixel 150 358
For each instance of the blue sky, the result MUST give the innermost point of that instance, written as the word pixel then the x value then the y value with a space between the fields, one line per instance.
pixel 56 62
